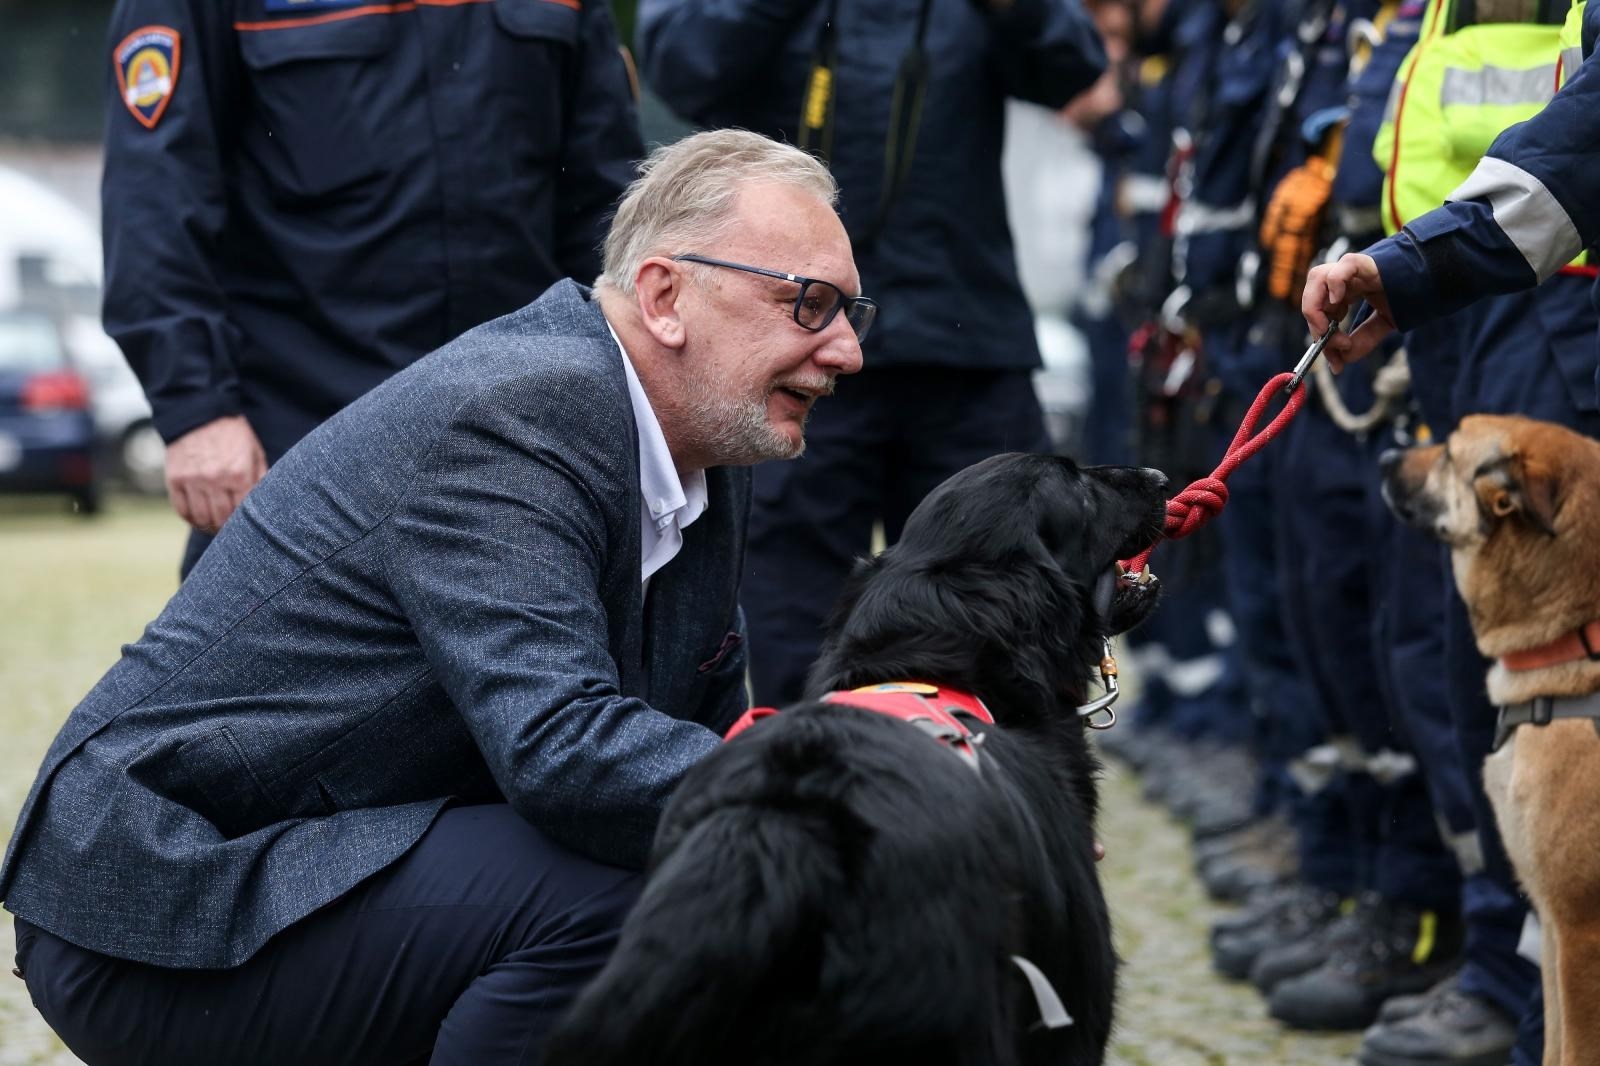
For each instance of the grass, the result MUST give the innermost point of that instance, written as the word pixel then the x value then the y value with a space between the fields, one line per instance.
pixel 74 591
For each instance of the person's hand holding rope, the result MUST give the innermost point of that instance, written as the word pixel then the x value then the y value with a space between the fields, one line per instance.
pixel 1331 291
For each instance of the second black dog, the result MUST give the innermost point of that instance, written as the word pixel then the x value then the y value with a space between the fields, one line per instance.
pixel 836 887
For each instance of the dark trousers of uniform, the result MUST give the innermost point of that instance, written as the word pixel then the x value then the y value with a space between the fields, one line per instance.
pixel 873 451
pixel 464 952
pixel 1331 581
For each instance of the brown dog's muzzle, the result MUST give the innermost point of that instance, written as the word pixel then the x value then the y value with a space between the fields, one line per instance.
pixel 1405 477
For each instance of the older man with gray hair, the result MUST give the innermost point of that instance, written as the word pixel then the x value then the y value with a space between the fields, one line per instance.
pixel 373 786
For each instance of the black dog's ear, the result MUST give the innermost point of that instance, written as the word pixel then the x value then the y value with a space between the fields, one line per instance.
pixel 1507 485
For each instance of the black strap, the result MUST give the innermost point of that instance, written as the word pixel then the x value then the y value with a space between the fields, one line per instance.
pixel 905 113
pixel 816 106
pixel 1543 710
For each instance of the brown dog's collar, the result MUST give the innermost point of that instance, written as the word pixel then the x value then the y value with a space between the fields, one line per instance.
pixel 1582 643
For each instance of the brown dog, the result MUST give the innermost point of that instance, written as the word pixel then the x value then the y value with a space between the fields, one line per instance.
pixel 1518 502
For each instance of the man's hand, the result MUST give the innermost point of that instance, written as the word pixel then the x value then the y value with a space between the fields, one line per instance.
pixel 1330 292
pixel 210 468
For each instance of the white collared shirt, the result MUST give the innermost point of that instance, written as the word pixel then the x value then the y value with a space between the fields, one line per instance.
pixel 667 505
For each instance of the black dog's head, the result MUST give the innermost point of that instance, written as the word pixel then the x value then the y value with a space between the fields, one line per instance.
pixel 993 583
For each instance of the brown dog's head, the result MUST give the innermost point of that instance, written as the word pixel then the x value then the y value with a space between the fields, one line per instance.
pixel 1517 501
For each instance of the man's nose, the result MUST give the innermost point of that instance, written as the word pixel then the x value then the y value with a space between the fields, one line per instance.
pixel 841 353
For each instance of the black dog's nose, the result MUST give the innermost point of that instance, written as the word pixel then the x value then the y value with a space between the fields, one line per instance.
pixel 1158 480
pixel 1390 459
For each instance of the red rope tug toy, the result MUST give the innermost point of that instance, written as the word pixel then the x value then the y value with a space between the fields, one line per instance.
pixel 1204 499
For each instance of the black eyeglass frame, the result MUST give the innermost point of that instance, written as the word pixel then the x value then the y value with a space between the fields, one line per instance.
pixel 847 304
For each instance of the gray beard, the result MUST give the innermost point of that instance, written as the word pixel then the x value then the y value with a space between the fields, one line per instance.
pixel 733 432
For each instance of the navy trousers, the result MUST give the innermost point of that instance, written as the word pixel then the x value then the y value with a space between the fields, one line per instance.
pixel 873 451
pixel 466 951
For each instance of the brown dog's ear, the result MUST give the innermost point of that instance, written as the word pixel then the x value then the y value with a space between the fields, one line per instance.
pixel 1508 486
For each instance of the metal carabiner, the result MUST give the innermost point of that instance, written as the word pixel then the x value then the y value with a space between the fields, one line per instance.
pixel 1304 365
pixel 1108 678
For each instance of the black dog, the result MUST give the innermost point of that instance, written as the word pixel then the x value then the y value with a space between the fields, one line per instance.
pixel 836 887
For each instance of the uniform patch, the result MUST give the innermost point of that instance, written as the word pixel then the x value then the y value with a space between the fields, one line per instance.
pixel 147 71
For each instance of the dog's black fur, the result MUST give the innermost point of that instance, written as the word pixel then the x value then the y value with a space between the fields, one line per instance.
pixel 833 888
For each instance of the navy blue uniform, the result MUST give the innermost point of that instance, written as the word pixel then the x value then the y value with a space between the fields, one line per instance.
pixel 948 378
pixel 303 196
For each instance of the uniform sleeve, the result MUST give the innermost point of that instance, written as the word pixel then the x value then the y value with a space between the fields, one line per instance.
pixel 497 562
pixel 163 208
pixel 1050 51
pixel 1532 204
pixel 699 53
pixel 600 149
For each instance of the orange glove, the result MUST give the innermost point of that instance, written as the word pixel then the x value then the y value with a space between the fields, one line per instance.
pixel 1289 227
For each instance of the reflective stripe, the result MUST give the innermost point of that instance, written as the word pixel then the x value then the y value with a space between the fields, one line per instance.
pixel 1571 60
pixel 1498 86
pixel 1467 847
pixel 1525 210
pixel 1392 105
pixel 1195 217
pixel 1144 194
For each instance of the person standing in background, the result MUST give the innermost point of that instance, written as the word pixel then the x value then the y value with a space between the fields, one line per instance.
pixel 905 100
pixel 301 197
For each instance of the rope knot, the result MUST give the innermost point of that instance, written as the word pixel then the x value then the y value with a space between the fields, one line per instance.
pixel 1196 505
pixel 1202 500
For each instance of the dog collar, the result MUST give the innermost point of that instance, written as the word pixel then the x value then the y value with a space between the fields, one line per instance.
pixel 1542 710
pixel 1581 643
pixel 931 708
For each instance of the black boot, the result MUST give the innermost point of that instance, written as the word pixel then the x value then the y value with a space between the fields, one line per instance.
pixel 1448 1027
pixel 1395 950
pixel 1290 914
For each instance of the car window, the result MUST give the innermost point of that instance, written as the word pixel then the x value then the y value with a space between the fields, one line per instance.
pixel 30 342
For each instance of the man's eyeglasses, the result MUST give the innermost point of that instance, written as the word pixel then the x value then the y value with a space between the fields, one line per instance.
pixel 817 303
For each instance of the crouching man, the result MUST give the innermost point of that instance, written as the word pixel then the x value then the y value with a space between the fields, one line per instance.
pixel 374 786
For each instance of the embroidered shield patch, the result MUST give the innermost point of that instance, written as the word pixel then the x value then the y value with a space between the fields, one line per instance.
pixel 147 71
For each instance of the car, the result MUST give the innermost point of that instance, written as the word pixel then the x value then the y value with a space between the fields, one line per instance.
pixel 48 441
pixel 50 258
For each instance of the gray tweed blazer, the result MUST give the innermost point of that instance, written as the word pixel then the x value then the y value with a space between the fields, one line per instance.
pixel 433 596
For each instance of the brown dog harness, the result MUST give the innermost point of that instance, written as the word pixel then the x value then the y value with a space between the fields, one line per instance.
pixel 930 708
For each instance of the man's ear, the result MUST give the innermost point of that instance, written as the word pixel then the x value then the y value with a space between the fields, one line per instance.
pixel 659 287
pixel 1510 486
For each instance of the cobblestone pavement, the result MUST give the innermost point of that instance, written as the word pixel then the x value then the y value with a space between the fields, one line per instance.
pixel 1173 1010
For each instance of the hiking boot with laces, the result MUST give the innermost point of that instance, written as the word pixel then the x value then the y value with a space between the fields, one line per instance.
pixel 1397 1008
pixel 1291 958
pixel 1389 950
pixel 1297 912
pixel 1449 1028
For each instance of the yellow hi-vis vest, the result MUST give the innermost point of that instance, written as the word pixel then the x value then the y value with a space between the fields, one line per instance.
pixel 1453 95
pixel 1571 42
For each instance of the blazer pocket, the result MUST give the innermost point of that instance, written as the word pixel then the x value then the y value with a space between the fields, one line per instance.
pixel 729 644
pixel 210 776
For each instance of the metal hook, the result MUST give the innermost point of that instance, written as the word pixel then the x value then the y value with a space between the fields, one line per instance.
pixel 1108 678
pixel 1310 357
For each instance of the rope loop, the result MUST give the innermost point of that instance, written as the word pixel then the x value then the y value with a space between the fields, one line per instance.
pixel 1204 499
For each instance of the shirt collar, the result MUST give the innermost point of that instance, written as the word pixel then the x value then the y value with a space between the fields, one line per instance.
pixel 666 498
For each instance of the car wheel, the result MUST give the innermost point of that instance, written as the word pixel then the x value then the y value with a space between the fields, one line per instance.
pixel 142 456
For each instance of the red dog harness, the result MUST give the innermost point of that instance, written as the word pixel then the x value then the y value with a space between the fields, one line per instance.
pixel 930 708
